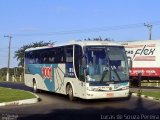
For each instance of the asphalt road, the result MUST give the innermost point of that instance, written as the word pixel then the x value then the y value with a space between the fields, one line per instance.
pixel 55 106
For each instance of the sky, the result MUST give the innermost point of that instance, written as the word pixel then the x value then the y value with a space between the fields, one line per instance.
pixel 28 21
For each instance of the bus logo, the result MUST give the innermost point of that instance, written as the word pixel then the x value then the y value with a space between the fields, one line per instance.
pixel 47 72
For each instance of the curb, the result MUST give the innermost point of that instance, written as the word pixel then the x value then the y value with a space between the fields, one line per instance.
pixel 145 96
pixel 22 102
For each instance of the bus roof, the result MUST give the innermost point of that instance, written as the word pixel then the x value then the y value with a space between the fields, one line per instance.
pixel 140 42
pixel 81 43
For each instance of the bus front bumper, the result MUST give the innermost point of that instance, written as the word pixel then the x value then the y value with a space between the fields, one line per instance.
pixel 106 94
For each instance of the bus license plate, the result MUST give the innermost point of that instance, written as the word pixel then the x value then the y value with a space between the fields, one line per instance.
pixel 110 94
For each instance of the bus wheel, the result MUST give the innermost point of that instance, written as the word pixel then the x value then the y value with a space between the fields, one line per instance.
pixel 35 90
pixel 70 93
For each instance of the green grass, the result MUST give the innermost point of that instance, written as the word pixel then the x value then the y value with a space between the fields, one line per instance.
pixel 8 95
pixel 151 94
pixel 150 84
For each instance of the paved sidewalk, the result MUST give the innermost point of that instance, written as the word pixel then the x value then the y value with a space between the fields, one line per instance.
pixel 145 88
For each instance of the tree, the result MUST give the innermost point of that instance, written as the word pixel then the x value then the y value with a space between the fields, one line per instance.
pixel 19 54
pixel 98 39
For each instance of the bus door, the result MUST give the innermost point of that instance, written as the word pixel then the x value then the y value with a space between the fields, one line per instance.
pixel 79 71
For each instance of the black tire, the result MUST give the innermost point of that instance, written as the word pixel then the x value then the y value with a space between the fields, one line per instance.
pixel 35 90
pixel 70 93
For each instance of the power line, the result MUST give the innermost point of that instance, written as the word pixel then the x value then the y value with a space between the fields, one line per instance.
pixel 91 30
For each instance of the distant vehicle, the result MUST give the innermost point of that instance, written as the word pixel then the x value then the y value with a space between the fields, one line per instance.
pixel 145 57
pixel 88 69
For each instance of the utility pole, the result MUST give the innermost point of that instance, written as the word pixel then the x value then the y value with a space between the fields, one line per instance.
pixel 9 50
pixel 149 26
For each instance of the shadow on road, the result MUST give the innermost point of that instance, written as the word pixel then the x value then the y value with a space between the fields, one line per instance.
pixel 90 113
pixel 94 114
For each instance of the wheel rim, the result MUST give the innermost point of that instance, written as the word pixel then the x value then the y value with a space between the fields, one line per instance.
pixel 70 92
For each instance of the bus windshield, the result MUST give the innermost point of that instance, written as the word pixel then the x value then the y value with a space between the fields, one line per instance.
pixel 106 64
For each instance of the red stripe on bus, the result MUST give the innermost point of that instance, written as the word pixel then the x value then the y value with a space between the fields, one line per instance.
pixel 145 58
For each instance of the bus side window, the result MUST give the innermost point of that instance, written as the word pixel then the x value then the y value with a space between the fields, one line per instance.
pixel 31 57
pixel 44 57
pixel 59 55
pixel 69 54
pixel 36 57
pixel 52 54
pixel 27 58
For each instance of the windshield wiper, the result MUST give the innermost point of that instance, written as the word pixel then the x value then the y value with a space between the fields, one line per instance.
pixel 115 71
pixel 103 75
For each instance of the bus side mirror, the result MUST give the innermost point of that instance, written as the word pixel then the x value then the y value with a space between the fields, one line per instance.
pixel 129 62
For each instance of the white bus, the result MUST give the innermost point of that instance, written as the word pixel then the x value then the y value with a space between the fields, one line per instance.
pixel 87 70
